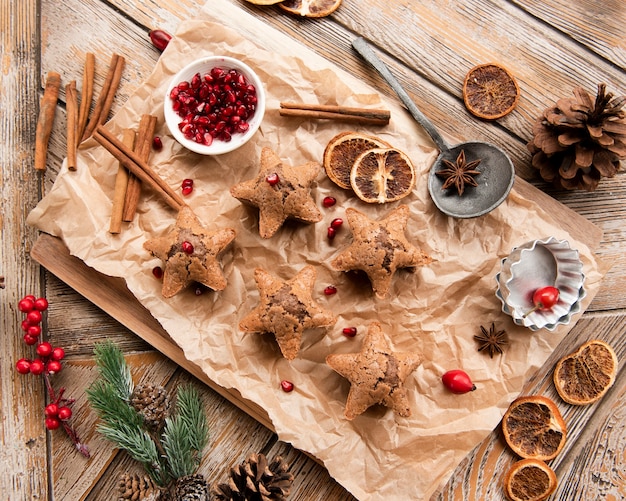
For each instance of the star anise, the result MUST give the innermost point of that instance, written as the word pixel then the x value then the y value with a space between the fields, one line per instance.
pixel 491 340
pixel 459 174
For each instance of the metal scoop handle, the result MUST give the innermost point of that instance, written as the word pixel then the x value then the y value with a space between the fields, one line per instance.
pixel 364 49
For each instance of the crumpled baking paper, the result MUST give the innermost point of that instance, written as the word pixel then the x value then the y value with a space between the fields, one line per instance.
pixel 436 309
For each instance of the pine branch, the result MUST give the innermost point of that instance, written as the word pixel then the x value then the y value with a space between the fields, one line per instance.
pixel 110 408
pixel 113 368
pixel 192 413
pixel 177 445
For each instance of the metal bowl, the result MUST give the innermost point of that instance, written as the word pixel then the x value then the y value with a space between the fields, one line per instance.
pixel 537 264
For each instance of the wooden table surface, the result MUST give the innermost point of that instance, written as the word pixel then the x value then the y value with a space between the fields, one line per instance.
pixel 550 45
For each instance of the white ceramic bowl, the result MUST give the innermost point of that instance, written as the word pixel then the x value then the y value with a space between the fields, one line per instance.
pixel 203 66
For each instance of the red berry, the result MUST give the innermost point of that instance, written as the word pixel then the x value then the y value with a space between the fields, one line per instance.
pixel 286 386
pixel 349 331
pixel 52 423
pixel 30 340
pixel 187 247
pixel 65 413
pixel 58 354
pixel 329 201
pixel 330 290
pixel 458 381
pixel 331 232
pixel 53 366
pixel 26 305
pixel 544 299
pixel 273 179
pixel 41 304
pixel 23 366
pixel 34 330
pixel 157 144
pixel 34 317
pixel 157 271
pixel 31 297
pixel 159 39
pixel 51 410
pixel 336 223
pixel 37 367
pixel 44 349
pixel 26 325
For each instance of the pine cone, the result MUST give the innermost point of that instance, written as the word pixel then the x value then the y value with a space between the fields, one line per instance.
pixel 138 488
pixel 255 480
pixel 191 488
pixel 153 403
pixel 577 142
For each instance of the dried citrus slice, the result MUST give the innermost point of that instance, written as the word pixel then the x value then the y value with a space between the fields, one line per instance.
pixel 382 175
pixel 263 2
pixel 529 480
pixel 533 427
pixel 585 376
pixel 341 152
pixel 490 91
pixel 310 8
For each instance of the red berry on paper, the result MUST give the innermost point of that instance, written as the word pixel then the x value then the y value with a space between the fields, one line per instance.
pixel 58 354
pixel 457 381
pixel 44 349
pixel 25 305
pixel 23 366
pixel 51 410
pixel 329 201
pixel 52 423
pixel 64 413
pixel 41 304
pixel 287 386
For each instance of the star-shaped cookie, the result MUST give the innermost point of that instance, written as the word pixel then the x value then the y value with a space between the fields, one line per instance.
pixel 286 309
pixel 190 253
pixel 376 374
pixel 280 192
pixel 379 248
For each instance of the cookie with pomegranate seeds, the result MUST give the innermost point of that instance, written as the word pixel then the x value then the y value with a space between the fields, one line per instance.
pixel 280 192
pixel 379 248
pixel 377 374
pixel 190 253
pixel 286 309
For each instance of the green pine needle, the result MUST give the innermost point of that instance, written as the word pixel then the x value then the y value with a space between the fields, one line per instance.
pixel 192 413
pixel 110 408
pixel 113 368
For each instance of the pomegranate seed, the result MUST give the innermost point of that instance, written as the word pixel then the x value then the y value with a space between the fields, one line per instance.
pixel 273 179
pixel 330 290
pixel 287 386
pixel 157 144
pixel 336 223
pixel 329 201
pixel 187 190
pixel 331 232
pixel 187 247
pixel 159 38
pixel 349 331
pixel 157 271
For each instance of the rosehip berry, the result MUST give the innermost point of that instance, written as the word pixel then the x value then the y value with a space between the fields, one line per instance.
pixel 458 381
pixel 331 232
pixel 349 331
pixel 37 367
pixel 58 354
pixel 329 201
pixel 34 317
pixel 157 144
pixel 187 247
pixel 336 223
pixel 330 290
pixel 273 179
pixel 30 340
pixel 157 271
pixel 51 410
pixel 65 413
pixel 26 305
pixel 52 423
pixel 34 330
pixel 287 386
pixel 53 366
pixel 44 349
pixel 23 366
pixel 41 304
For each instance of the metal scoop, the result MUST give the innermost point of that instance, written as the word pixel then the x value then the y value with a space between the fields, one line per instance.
pixel 497 173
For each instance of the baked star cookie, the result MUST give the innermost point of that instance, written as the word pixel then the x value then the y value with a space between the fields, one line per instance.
pixel 376 374
pixel 280 192
pixel 286 309
pixel 190 253
pixel 379 248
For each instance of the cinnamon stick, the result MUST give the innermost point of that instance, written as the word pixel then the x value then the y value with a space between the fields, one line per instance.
pixel 46 118
pixel 89 72
pixel 106 96
pixel 121 185
pixel 141 169
pixel 147 126
pixel 332 112
pixel 71 108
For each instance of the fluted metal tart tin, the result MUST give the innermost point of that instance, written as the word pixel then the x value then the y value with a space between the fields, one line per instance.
pixel 536 264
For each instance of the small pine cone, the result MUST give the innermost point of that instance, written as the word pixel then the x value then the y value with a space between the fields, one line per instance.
pixel 153 403
pixel 578 141
pixel 191 488
pixel 138 488
pixel 256 480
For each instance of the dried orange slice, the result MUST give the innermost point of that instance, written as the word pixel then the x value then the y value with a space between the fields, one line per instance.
pixel 490 91
pixel 382 175
pixel 529 480
pixel 310 8
pixel 584 376
pixel 264 2
pixel 341 152
pixel 533 428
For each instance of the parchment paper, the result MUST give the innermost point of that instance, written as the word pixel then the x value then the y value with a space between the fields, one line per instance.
pixel 435 310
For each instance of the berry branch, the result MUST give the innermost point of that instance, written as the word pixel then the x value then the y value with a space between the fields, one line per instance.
pixel 48 362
